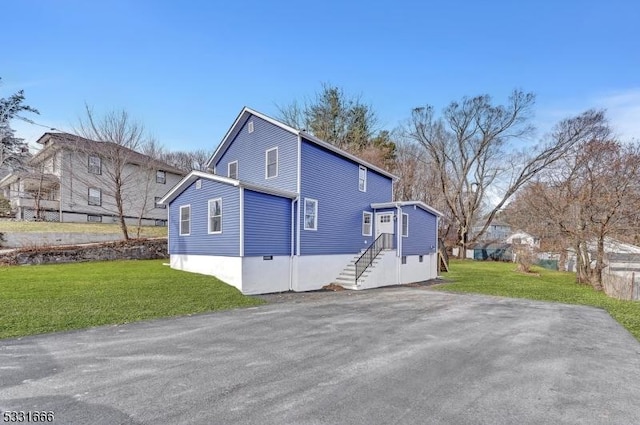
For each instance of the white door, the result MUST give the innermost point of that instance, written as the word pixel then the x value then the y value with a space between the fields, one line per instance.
pixel 384 223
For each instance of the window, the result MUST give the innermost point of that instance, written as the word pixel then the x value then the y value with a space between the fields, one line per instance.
pixel 185 220
pixel 199 184
pixel 404 259
pixel 271 160
pixel 310 214
pixel 95 196
pixel 232 170
pixel 161 177
pixel 158 204
pixel 250 127
pixel 366 223
pixel 95 164
pixel 362 179
pixel 420 258
pixel 405 225
pixel 215 215
pixel 94 218
pixel 161 223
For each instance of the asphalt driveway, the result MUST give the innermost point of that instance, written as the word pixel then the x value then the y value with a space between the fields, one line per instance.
pixel 399 356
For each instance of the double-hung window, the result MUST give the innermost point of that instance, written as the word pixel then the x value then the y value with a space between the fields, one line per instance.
pixel 271 163
pixel 94 165
pixel 161 177
pixel 310 214
pixel 366 223
pixel 94 196
pixel 232 170
pixel 405 225
pixel 362 179
pixel 215 215
pixel 185 220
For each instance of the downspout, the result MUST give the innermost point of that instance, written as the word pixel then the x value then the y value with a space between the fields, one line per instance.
pixel 399 243
pixel 291 251
pixel 241 223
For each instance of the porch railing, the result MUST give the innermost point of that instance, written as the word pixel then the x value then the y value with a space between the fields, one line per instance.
pixel 384 241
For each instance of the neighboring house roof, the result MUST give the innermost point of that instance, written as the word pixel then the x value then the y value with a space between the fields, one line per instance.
pixel 56 141
pixel 195 175
pixel 407 203
pixel 489 245
pixel 244 115
pixel 612 246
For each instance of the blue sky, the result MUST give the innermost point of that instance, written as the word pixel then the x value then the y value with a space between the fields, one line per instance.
pixel 186 68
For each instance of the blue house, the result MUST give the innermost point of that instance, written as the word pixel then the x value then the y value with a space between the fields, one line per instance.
pixel 284 210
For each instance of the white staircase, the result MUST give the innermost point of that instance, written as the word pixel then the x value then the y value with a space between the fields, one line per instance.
pixel 347 277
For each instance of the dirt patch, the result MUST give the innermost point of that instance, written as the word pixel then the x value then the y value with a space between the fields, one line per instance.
pixel 333 287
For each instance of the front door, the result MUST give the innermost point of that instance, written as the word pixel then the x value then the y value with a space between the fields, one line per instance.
pixel 384 223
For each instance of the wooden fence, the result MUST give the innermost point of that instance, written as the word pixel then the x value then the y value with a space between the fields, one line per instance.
pixel 623 285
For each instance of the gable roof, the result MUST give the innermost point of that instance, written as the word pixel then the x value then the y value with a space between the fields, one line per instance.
pixel 418 204
pixel 247 112
pixel 58 141
pixel 195 175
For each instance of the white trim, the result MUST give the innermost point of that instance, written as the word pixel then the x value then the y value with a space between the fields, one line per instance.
pixel 304 214
pixel 229 170
pixel 180 220
pixel 242 221
pixel 422 205
pixel 266 163
pixel 362 168
pixel 209 216
pixel 398 233
pixel 402 225
pixel 370 214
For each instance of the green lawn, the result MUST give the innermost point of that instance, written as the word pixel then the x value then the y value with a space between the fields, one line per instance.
pixel 494 278
pixel 41 226
pixel 48 298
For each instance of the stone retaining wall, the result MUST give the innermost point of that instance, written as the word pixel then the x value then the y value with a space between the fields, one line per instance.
pixel 140 249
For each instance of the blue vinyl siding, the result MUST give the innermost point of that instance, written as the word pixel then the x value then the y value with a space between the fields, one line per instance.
pixel 333 181
pixel 199 242
pixel 267 224
pixel 422 232
pixel 249 150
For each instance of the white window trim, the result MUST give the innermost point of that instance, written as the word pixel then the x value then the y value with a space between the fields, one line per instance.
pixel 362 168
pixel 304 215
pixel 209 216
pixel 370 214
pixel 229 170
pixel 180 220
pixel 266 163
pixel 405 216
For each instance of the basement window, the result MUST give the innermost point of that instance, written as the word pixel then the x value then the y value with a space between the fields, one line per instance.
pixel 420 258
pixel 267 257
pixel 94 218
pixel 404 259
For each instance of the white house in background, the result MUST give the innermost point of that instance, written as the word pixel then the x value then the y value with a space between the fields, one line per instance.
pixel 619 256
pixel 71 180
pixel 288 211
pixel 523 238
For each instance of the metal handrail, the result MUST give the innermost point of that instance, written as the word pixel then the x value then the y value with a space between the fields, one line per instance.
pixel 384 241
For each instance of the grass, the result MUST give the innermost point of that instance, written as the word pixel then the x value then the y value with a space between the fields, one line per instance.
pixel 50 227
pixel 495 278
pixel 49 298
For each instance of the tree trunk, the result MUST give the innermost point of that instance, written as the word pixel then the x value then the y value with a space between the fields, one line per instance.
pixel 596 280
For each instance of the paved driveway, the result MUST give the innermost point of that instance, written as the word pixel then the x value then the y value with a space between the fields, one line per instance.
pixel 399 356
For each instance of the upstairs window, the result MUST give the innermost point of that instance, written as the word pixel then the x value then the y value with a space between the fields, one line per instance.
pixel 366 223
pixel 405 225
pixel 232 170
pixel 215 215
pixel 161 177
pixel 362 179
pixel 95 164
pixel 271 163
pixel 185 220
pixel 310 214
pixel 94 196
pixel 157 202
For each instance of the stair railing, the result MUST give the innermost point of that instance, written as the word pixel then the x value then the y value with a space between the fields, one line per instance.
pixel 384 241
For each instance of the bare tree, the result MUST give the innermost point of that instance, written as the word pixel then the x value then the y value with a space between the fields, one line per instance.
pixel 119 136
pixel 187 160
pixel 472 148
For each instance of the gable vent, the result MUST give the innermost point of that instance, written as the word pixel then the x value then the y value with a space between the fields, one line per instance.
pixel 250 127
pixel 198 183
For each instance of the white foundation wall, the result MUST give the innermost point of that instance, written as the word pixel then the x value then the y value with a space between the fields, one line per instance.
pixel 260 276
pixel 384 273
pixel 312 272
pixel 415 271
pixel 227 269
